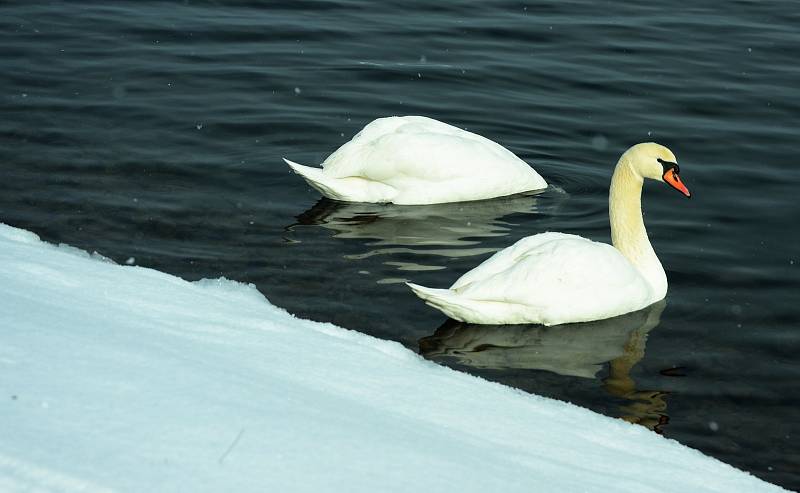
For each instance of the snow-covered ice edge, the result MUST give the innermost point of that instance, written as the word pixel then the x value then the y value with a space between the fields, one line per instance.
pixel 122 378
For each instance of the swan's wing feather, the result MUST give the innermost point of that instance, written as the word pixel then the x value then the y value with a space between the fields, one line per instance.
pixel 399 150
pixel 558 275
pixel 509 256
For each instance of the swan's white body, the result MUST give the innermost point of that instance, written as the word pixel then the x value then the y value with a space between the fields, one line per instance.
pixel 414 160
pixel 556 278
pixel 549 278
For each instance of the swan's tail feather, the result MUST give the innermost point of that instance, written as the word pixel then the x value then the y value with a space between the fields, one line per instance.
pixel 323 183
pixel 444 300
pixel 463 309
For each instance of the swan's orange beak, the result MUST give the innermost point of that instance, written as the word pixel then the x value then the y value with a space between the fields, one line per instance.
pixel 675 182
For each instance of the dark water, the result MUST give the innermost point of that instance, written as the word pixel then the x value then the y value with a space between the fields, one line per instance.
pixel 153 131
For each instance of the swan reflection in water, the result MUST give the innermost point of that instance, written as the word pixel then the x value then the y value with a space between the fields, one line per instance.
pixel 575 350
pixel 440 230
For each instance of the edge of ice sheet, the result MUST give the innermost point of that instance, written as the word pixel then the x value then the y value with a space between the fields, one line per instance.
pixel 124 378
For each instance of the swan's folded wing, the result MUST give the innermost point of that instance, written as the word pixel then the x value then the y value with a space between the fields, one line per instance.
pixel 399 149
pixel 508 257
pixel 560 277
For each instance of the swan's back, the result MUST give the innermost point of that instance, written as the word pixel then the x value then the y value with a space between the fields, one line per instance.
pixel 424 159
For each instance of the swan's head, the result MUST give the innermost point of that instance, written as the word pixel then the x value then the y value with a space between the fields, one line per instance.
pixel 654 161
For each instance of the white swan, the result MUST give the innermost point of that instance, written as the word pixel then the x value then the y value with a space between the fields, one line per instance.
pixel 414 160
pixel 556 278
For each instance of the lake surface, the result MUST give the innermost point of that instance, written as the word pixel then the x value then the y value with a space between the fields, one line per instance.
pixel 153 133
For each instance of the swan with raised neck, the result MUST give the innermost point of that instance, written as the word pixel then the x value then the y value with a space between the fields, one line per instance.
pixel 556 278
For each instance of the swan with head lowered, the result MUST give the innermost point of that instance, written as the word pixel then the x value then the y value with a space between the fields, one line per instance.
pixel 557 278
pixel 415 160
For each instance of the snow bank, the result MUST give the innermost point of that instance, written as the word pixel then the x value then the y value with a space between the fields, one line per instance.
pixel 124 378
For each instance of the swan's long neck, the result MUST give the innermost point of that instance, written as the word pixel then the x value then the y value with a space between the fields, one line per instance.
pixel 627 226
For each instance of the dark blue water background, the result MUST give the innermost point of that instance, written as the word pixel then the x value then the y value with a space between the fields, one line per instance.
pixel 152 132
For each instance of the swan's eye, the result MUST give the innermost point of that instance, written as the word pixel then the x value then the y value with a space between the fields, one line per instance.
pixel 668 165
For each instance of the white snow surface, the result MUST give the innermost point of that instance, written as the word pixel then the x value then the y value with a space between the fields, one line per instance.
pixel 122 378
